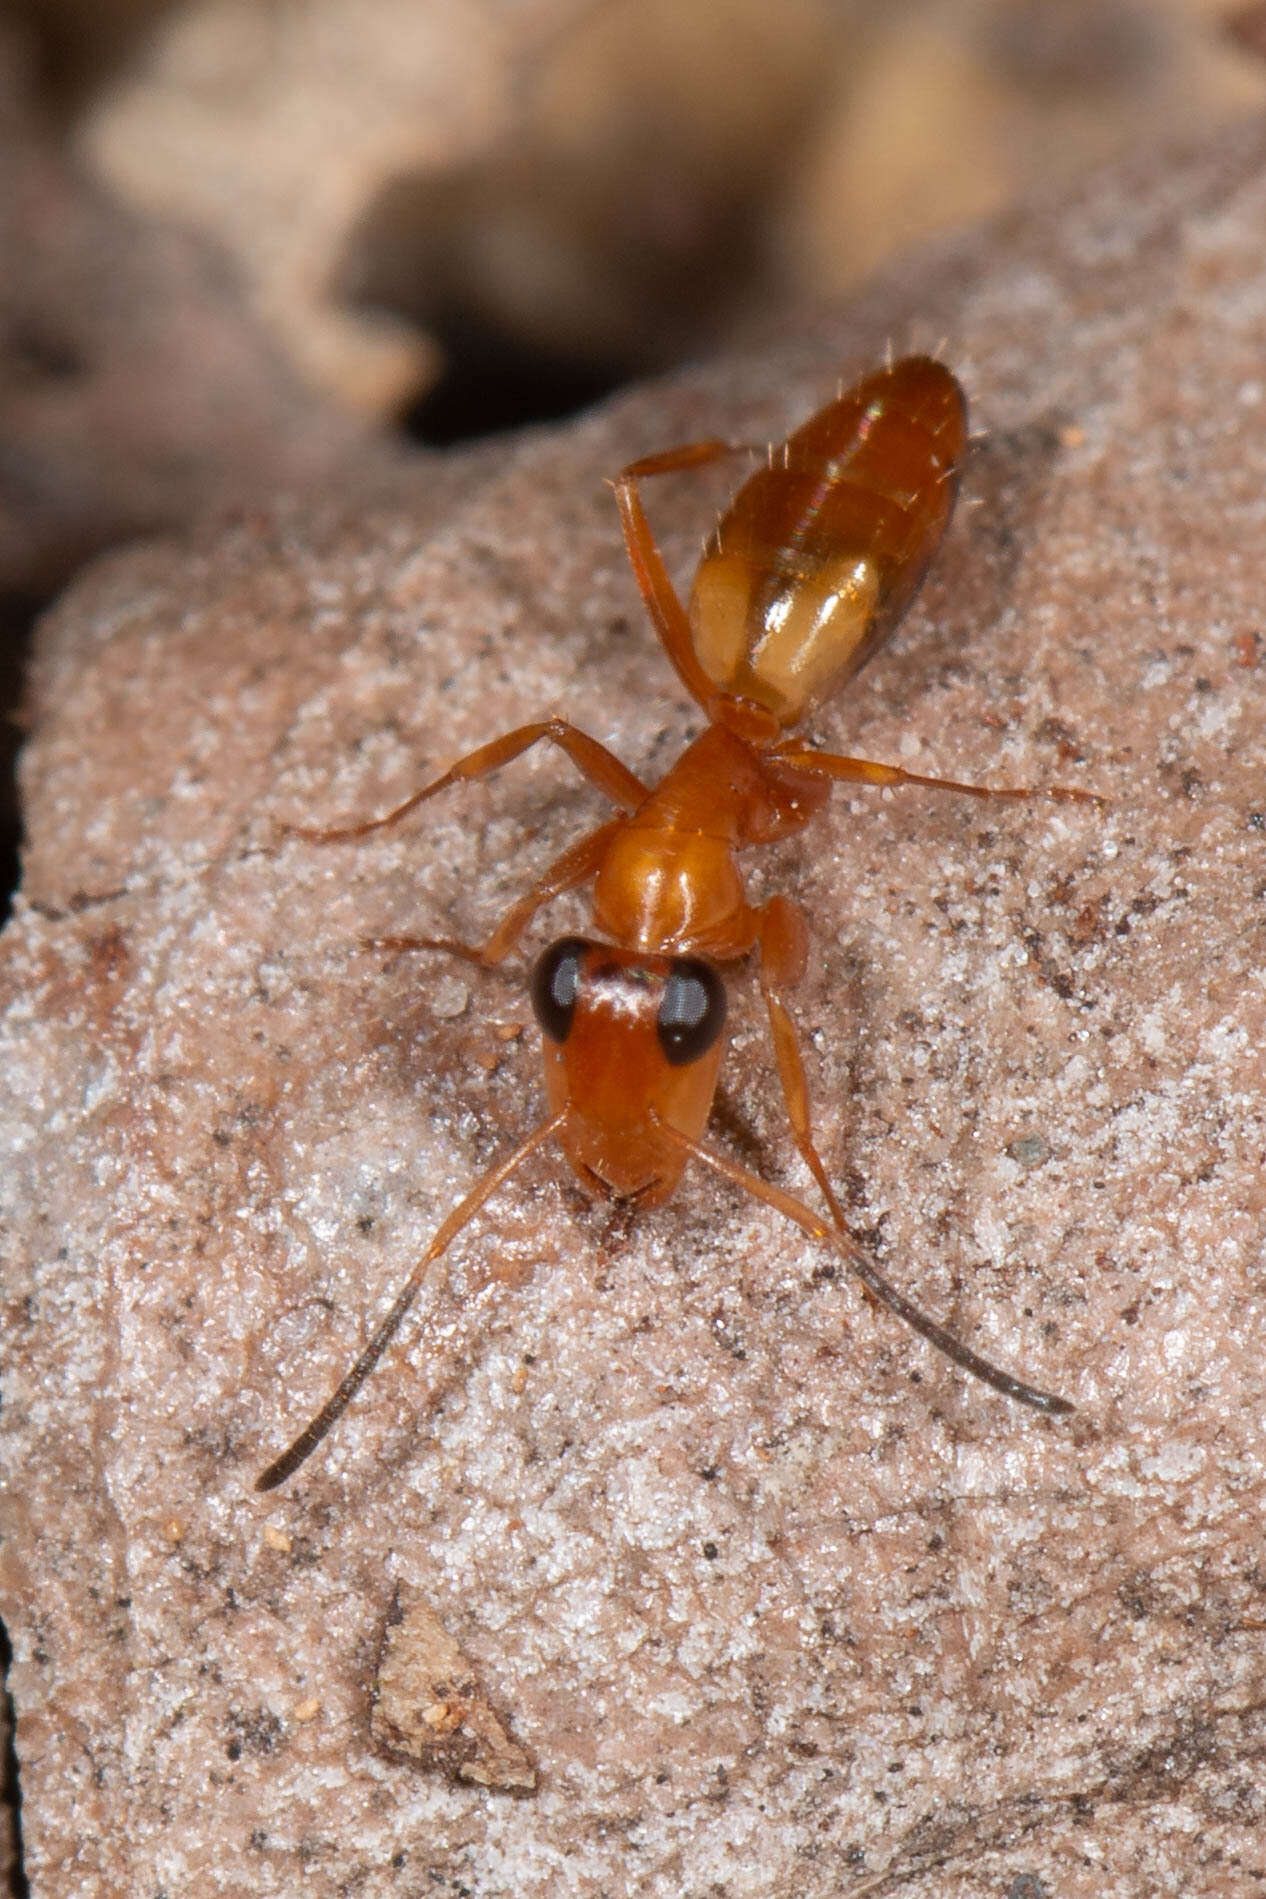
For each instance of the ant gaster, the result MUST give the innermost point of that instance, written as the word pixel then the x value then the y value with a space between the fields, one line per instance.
pixel 807 573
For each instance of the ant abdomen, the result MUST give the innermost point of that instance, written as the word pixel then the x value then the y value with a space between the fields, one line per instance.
pixel 822 551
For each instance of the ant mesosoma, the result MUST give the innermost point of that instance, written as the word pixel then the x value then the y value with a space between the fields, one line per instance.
pixel 807 573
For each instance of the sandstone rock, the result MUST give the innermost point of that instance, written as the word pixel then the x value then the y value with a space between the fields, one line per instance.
pixel 778 1601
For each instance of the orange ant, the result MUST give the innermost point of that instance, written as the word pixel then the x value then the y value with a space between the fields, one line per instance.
pixel 805 576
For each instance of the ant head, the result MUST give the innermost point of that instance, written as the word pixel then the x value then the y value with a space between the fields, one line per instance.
pixel 631 1043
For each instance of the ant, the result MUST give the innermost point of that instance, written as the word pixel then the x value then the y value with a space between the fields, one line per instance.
pixel 805 576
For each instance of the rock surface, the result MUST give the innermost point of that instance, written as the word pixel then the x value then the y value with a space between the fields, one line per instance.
pixel 778 1602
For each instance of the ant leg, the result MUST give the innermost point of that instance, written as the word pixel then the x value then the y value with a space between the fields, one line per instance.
pixel 576 865
pixel 330 1413
pixel 784 949
pixel 866 771
pixel 859 1263
pixel 602 768
pixel 657 590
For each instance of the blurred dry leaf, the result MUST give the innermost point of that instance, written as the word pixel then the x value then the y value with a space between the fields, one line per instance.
pixel 949 109
pixel 585 173
pixel 269 129
pixel 606 184
pixel 136 391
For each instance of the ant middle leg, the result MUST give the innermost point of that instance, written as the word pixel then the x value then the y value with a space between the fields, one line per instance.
pixel 868 771
pixel 604 771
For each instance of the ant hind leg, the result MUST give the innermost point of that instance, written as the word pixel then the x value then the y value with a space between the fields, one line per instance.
pixel 868 771
pixel 660 596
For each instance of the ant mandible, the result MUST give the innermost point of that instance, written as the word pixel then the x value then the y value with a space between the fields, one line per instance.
pixel 808 572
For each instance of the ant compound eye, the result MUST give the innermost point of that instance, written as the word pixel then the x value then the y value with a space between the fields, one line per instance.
pixel 555 986
pixel 692 1013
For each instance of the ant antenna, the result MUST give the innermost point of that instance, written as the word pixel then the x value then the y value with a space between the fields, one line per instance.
pixel 330 1413
pixel 865 1269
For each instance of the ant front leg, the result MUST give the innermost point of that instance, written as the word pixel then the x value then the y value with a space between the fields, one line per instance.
pixel 604 771
pixel 867 771
pixel 576 865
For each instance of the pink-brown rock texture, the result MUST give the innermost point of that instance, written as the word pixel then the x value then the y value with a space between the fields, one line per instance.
pixel 776 1601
